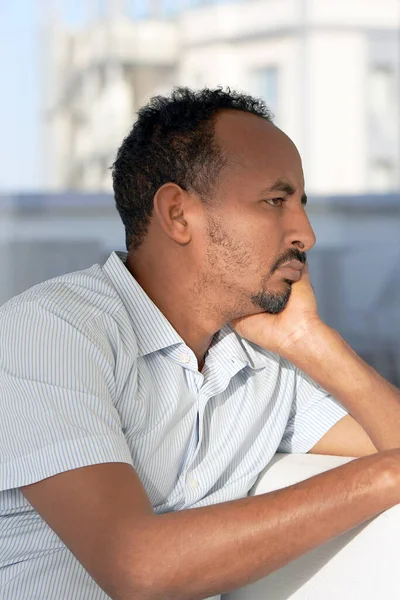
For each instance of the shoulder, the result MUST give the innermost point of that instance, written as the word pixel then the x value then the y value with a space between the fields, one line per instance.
pixel 80 311
pixel 76 296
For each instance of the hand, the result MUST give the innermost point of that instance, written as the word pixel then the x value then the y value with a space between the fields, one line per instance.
pixel 280 332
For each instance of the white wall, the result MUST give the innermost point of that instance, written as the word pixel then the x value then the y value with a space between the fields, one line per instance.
pixel 336 113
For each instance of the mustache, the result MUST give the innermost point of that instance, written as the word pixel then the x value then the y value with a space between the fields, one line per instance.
pixel 292 254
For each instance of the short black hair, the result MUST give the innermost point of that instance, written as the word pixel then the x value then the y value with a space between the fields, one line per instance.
pixel 172 140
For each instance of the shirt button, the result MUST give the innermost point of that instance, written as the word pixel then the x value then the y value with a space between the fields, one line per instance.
pixel 185 358
pixel 193 482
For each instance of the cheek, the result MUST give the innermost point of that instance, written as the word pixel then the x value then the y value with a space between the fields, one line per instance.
pixel 243 245
pixel 266 243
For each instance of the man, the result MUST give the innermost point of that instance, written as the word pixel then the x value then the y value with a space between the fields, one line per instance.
pixel 140 400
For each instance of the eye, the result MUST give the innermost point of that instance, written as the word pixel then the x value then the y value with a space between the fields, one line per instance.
pixel 275 201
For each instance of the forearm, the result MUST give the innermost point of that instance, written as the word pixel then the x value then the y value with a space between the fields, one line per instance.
pixel 201 552
pixel 368 397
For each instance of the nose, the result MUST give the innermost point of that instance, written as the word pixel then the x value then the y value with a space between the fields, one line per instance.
pixel 299 231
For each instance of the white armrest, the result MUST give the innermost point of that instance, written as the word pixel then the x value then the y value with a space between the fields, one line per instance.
pixel 361 564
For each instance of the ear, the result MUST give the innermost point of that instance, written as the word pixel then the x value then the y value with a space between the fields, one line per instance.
pixel 170 203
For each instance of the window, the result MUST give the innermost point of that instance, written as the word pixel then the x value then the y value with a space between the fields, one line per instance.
pixel 264 84
pixel 381 90
pixel 382 99
pixel 383 128
pixel 382 175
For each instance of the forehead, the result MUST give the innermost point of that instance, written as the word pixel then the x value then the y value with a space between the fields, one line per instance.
pixel 256 146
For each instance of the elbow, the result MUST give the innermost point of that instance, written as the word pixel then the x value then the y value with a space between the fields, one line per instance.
pixel 139 581
pixel 140 567
pixel 131 588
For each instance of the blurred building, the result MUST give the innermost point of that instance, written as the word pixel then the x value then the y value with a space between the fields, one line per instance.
pixel 329 69
pixel 96 79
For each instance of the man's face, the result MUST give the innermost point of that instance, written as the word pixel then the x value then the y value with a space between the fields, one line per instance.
pixel 256 222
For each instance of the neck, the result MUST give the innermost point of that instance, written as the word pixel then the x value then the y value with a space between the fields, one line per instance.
pixel 180 300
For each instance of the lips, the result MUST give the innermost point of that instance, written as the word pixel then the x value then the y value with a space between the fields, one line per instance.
pixel 293 264
pixel 292 270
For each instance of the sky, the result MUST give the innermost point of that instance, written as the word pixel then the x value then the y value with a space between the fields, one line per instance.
pixel 19 98
pixel 21 144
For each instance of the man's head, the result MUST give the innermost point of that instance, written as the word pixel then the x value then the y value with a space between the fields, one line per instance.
pixel 208 184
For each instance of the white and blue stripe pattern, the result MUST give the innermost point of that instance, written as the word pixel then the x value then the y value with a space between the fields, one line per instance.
pixel 92 372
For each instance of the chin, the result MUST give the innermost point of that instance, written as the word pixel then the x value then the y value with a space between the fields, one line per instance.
pixel 272 301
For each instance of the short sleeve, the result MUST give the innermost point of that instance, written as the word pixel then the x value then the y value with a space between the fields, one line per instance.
pixel 56 398
pixel 312 414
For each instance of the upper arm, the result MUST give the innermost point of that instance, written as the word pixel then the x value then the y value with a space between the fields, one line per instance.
pixel 345 438
pixel 62 441
pixel 97 511
pixel 57 398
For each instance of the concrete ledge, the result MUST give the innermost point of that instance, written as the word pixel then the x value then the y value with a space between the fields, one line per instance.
pixel 362 564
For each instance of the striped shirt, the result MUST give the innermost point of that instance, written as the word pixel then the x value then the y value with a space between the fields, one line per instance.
pixel 92 372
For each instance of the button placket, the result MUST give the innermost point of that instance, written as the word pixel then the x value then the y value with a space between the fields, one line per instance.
pixel 194 380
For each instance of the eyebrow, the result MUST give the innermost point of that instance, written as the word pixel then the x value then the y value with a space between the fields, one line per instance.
pixel 284 186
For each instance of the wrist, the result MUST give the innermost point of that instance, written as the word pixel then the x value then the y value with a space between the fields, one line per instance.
pixel 310 342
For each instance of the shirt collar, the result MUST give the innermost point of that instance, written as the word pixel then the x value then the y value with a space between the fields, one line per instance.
pixel 154 331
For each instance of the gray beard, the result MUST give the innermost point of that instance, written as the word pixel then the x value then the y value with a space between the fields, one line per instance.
pixel 271 302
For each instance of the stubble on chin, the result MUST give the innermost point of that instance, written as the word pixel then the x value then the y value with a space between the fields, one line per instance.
pixel 272 302
pixel 223 284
